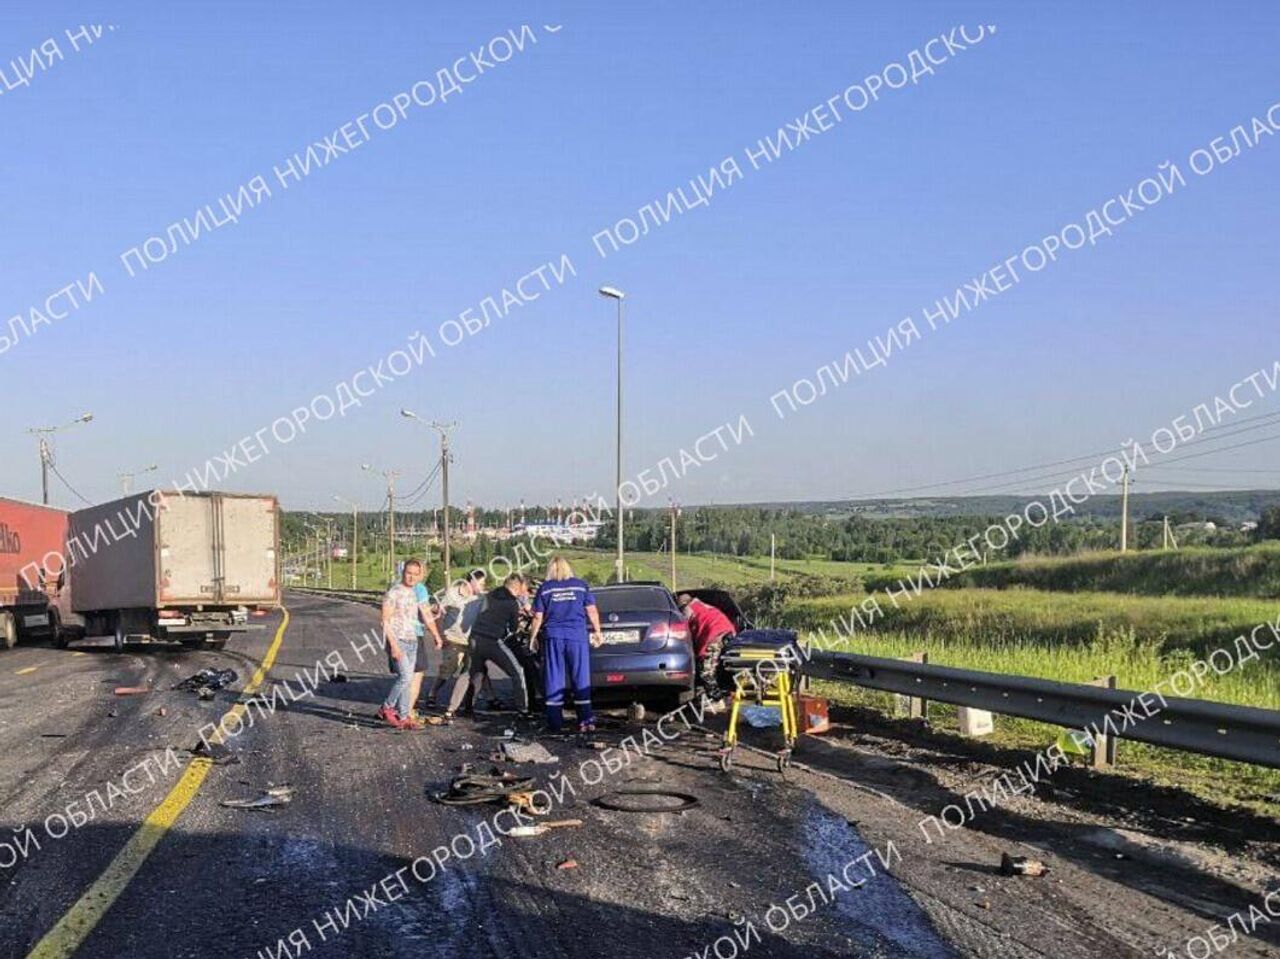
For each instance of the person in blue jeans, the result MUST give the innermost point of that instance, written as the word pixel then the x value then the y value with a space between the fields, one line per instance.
pixel 561 610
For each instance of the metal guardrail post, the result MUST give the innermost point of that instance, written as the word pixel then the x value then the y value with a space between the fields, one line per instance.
pixel 918 706
pixel 1103 755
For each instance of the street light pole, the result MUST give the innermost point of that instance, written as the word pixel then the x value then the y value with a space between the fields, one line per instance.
pixel 620 562
pixel 126 479
pixel 42 433
pixel 355 525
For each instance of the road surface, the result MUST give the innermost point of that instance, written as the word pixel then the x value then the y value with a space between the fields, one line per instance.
pixel 167 871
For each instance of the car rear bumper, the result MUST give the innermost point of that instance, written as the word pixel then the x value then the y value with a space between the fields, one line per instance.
pixel 667 670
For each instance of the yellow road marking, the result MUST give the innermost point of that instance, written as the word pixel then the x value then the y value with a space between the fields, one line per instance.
pixel 73 928
pixel 29 669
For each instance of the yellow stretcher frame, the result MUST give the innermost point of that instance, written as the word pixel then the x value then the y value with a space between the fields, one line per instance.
pixel 753 686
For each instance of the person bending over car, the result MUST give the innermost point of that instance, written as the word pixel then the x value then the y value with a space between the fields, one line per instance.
pixel 561 610
pixel 708 628
pixel 499 617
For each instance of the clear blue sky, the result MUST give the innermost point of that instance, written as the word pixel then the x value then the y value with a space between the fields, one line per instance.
pixel 1066 105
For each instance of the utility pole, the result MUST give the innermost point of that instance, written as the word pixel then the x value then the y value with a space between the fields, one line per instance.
pixel 773 554
pixel 1124 513
pixel 391 520
pixel 675 512
pixel 444 487
pixel 391 512
pixel 1169 538
pixel 328 525
pixel 444 429
pixel 45 457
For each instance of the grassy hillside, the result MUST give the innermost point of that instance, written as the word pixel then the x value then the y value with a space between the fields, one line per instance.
pixel 1248 571
pixel 1002 622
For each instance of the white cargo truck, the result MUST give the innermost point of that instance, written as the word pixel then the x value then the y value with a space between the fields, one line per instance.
pixel 196 567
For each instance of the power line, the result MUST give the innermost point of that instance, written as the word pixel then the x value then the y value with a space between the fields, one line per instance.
pixel 1246 425
pixel 83 498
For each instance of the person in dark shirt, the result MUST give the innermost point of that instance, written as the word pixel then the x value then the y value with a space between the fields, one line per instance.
pixel 498 618
pixel 561 609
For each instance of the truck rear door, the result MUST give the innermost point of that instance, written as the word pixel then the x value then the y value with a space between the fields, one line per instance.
pixel 187 568
pixel 247 540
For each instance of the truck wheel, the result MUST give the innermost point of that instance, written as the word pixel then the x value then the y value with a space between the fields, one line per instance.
pixel 60 636
pixel 8 631
pixel 118 619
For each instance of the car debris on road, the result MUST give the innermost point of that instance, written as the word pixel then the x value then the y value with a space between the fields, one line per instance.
pixel 1021 866
pixel 208 679
pixel 525 832
pixel 270 798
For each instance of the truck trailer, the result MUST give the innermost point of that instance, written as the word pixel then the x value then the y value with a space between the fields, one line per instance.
pixel 32 570
pixel 196 567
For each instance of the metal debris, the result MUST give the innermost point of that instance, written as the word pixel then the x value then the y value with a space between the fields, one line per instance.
pixel 270 798
pixel 1021 866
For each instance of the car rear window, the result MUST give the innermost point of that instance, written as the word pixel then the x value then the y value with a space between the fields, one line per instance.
pixel 637 600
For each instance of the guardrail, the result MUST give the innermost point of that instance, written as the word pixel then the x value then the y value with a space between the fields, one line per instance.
pixel 369 597
pixel 1243 733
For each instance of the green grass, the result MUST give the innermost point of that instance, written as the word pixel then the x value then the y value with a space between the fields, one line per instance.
pixel 1246 571
pixel 1001 621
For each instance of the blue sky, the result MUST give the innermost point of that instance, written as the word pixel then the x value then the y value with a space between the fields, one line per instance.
pixel 1066 105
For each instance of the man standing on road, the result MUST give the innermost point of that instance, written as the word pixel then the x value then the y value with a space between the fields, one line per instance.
pixel 708 629
pixel 498 617
pixel 460 605
pixel 401 610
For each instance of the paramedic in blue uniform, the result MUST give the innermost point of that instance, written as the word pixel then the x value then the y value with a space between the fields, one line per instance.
pixel 561 611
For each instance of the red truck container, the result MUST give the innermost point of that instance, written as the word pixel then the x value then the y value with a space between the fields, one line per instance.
pixel 32 572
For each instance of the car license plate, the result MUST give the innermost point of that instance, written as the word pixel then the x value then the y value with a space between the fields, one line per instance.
pixel 41 619
pixel 622 636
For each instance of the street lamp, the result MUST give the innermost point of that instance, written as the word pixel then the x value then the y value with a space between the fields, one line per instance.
pixel 355 520
pixel 444 429
pixel 614 293
pixel 126 479
pixel 46 449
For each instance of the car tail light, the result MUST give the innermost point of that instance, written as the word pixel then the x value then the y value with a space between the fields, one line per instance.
pixel 669 631
pixel 615 677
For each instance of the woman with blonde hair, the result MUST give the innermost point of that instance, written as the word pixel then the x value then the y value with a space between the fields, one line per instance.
pixel 561 610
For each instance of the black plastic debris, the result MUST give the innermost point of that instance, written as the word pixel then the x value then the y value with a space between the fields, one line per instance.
pixel 216 753
pixel 473 788
pixel 208 678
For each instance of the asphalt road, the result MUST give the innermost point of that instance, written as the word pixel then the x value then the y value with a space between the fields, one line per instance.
pixel 168 871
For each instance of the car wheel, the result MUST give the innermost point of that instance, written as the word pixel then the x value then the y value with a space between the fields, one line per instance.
pixel 670 702
pixel 8 631
pixel 635 713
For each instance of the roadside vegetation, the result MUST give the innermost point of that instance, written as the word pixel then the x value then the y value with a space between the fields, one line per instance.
pixel 1198 571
